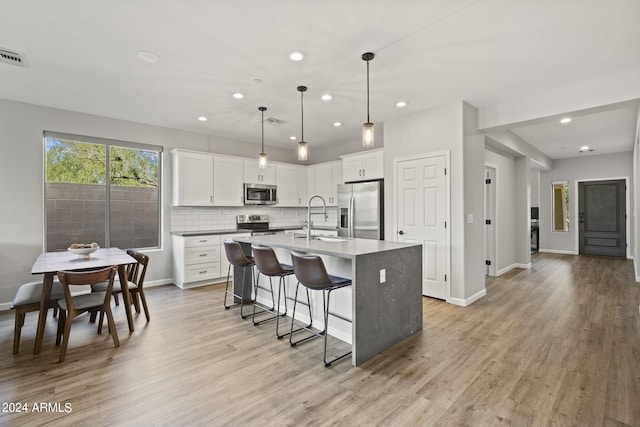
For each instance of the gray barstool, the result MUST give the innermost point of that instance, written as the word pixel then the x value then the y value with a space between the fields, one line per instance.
pixel 267 264
pixel 237 258
pixel 312 274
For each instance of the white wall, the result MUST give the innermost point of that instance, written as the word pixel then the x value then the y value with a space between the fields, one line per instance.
pixel 523 212
pixel 505 220
pixel 474 227
pixel 535 187
pixel 437 129
pixel 21 180
pixel 636 186
pixel 590 167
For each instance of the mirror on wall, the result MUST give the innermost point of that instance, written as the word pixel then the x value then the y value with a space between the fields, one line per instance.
pixel 560 205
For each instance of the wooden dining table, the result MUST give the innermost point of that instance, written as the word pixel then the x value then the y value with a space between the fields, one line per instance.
pixel 50 263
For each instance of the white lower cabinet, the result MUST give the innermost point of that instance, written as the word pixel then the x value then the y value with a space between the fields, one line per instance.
pixel 200 260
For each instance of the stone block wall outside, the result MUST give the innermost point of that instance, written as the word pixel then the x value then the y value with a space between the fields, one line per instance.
pixel 76 214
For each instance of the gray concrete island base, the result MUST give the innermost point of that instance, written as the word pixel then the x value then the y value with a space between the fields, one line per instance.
pixel 383 313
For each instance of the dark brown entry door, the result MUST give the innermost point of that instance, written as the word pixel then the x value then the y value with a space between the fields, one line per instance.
pixel 602 218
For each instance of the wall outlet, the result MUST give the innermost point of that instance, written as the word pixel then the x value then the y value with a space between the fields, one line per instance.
pixel 383 275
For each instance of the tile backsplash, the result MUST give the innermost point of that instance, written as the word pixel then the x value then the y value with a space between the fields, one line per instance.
pixel 207 218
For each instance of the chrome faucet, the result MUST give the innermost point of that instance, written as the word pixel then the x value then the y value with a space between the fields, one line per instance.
pixel 324 212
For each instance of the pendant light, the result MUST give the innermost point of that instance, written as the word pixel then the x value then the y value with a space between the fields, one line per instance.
pixel 302 145
pixel 262 157
pixel 367 128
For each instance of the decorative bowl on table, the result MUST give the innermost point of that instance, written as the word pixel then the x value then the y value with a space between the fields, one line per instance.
pixel 83 250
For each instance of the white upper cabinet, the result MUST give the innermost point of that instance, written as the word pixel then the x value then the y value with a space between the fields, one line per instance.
pixel 254 175
pixel 192 180
pixel 363 166
pixel 228 181
pixel 292 185
pixel 323 180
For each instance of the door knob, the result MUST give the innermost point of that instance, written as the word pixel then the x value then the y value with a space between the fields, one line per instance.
pixel 401 232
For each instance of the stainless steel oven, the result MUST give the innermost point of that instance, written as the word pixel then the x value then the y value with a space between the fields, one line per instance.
pixel 260 194
pixel 257 224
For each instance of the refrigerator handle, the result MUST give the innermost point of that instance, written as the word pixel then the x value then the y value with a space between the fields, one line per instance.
pixel 351 224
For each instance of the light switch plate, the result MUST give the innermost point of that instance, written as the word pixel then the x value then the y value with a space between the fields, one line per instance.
pixel 383 275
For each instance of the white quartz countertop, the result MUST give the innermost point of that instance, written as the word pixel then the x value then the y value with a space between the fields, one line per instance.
pixel 348 248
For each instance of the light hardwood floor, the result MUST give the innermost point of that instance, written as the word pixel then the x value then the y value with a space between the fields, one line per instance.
pixel 557 344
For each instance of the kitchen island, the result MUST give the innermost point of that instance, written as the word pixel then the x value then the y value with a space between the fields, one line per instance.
pixel 385 299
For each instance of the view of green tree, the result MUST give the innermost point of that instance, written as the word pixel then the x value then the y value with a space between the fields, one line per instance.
pixel 76 162
pixel 85 163
pixel 133 167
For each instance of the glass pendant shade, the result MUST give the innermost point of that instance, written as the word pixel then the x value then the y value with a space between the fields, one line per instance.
pixel 262 157
pixel 262 160
pixel 367 128
pixel 367 135
pixel 302 151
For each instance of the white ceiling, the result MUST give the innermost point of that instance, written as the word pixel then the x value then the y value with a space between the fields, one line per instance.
pixel 81 56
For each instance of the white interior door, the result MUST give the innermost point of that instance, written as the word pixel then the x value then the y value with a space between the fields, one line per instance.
pixel 421 189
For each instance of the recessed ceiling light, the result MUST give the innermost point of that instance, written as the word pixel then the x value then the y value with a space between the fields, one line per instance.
pixel 565 120
pixel 202 118
pixel 293 137
pixel 585 148
pixel 327 97
pixel 238 95
pixel 336 124
pixel 296 56
pixel 148 56
pixel 401 104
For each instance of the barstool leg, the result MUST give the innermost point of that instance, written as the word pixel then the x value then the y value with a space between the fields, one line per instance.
pixel 281 289
pixel 293 316
pixel 242 289
pixel 326 332
pixel 226 289
pixel 263 309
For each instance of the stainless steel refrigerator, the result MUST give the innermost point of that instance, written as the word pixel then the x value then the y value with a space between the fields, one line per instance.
pixel 361 210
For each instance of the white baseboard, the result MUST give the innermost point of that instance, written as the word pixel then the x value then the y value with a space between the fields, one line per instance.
pixel 557 251
pixel 158 283
pixel 467 301
pixel 511 267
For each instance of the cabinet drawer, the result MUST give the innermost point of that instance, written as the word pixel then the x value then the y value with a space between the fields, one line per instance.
pixel 200 254
pixel 195 272
pixel 195 241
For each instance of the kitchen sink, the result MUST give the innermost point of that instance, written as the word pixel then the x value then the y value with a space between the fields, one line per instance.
pixel 329 239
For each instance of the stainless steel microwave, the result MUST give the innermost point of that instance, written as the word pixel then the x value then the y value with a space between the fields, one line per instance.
pixel 260 194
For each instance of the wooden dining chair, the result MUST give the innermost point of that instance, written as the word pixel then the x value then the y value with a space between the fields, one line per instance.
pixel 72 306
pixel 135 276
pixel 27 299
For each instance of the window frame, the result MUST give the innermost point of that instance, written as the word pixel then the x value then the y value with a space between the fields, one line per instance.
pixel 565 202
pixel 108 143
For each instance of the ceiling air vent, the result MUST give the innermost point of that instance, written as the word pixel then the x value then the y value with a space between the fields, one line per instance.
pixel 12 58
pixel 274 122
